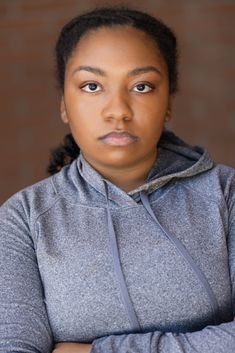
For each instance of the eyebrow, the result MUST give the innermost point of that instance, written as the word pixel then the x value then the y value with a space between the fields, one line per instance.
pixel 134 72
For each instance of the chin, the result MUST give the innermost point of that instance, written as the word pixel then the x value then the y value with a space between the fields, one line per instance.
pixel 119 161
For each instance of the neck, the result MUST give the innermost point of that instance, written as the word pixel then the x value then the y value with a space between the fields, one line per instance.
pixel 126 178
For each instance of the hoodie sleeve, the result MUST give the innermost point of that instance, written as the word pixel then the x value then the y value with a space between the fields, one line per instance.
pixel 216 339
pixel 24 325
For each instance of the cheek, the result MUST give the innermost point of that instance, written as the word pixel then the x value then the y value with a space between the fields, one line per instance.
pixel 151 127
pixel 78 109
pixel 88 114
pixel 155 105
pixel 80 114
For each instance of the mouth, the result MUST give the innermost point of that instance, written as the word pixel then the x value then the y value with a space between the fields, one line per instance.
pixel 118 138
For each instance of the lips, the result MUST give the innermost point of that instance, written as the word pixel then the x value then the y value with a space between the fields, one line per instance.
pixel 118 138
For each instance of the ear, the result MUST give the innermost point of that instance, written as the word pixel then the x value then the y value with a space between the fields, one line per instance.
pixel 63 112
pixel 168 112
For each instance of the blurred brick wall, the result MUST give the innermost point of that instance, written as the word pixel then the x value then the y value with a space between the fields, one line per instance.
pixel 204 110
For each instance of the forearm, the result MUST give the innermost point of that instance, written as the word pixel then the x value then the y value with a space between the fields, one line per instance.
pixel 216 339
pixel 71 347
pixel 128 344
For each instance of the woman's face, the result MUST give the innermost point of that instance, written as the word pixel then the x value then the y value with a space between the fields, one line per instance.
pixel 116 81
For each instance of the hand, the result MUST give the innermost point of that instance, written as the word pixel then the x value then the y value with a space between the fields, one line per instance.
pixel 70 347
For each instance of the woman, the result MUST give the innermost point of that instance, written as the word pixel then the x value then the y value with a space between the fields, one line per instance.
pixel 129 246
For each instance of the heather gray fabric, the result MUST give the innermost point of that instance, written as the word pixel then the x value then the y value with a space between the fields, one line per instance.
pixel 149 271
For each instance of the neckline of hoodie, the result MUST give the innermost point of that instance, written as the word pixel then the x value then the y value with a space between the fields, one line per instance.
pixel 81 168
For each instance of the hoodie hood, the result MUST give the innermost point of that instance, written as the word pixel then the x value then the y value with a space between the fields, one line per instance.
pixel 175 159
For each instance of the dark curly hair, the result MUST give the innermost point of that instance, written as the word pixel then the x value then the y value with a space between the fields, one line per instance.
pixel 72 32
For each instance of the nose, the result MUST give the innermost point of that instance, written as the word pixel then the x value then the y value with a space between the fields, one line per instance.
pixel 117 107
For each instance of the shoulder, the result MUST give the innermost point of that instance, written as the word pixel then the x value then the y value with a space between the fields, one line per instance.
pixel 37 198
pixel 34 200
pixel 25 205
pixel 43 194
pixel 216 183
pixel 224 177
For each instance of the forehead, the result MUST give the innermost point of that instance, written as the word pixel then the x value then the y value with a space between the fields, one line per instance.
pixel 123 31
pixel 119 45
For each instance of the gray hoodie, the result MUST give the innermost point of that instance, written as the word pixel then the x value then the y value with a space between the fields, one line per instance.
pixel 148 271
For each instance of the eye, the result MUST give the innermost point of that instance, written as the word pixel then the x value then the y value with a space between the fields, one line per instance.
pixel 91 87
pixel 143 87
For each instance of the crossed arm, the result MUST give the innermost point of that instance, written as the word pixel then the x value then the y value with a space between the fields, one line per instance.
pixel 70 347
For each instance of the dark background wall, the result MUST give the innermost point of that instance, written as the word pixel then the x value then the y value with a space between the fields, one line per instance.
pixel 204 110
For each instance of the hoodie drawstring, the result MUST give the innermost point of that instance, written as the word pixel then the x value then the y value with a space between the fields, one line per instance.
pixel 118 271
pixel 181 250
pixel 186 255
